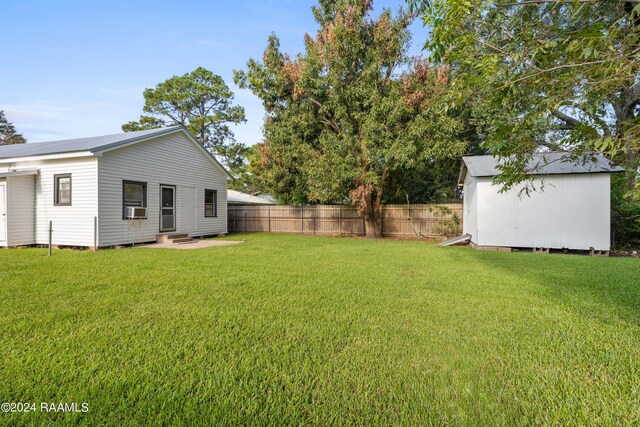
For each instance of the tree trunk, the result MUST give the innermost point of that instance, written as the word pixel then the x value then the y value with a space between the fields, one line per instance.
pixel 371 218
pixel 370 203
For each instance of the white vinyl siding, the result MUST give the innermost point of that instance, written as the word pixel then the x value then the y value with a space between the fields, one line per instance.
pixel 72 225
pixel 172 159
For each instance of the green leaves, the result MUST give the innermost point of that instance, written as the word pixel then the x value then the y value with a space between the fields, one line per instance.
pixel 145 123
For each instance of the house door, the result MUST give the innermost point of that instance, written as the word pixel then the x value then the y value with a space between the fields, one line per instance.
pixel 3 213
pixel 167 208
pixel 187 209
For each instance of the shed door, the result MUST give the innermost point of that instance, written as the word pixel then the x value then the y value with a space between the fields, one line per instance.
pixel 3 212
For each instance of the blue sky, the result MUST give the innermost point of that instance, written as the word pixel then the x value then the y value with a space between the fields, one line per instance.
pixel 78 68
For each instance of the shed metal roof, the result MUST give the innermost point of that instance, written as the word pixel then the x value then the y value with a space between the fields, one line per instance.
pixel 237 197
pixel 92 144
pixel 554 163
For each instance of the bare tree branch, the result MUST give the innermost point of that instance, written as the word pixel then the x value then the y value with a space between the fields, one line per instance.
pixel 570 121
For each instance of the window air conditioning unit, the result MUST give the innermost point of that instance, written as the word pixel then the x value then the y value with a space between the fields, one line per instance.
pixel 136 213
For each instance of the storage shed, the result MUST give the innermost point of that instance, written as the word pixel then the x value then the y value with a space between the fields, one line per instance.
pixel 571 210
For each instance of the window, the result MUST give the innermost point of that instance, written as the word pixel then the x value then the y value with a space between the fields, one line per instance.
pixel 134 194
pixel 62 190
pixel 210 203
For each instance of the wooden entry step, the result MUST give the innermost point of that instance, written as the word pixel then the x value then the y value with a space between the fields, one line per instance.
pixel 173 238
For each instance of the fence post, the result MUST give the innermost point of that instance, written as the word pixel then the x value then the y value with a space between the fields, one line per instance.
pixel 364 233
pixel 245 222
pixel 381 221
pixel 50 237
pixel 315 214
pixel 302 221
pixel 340 220
pixel 269 217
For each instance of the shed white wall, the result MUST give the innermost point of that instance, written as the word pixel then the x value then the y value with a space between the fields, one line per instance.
pixel 172 159
pixel 572 212
pixel 72 225
pixel 3 212
pixel 470 206
pixel 21 218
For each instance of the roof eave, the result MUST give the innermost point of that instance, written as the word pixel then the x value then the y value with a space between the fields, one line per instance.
pixel 20 172
pixel 50 156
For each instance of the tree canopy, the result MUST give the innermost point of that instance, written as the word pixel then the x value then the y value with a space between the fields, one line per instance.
pixel 349 111
pixel 8 134
pixel 203 103
pixel 551 74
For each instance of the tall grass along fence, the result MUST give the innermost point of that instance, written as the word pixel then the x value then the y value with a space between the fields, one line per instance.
pixel 403 221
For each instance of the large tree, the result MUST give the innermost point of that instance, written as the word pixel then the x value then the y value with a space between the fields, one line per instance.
pixel 8 134
pixel 551 74
pixel 349 111
pixel 201 102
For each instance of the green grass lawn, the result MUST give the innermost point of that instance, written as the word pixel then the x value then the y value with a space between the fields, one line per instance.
pixel 314 330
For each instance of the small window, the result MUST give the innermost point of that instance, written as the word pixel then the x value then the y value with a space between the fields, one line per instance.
pixel 210 203
pixel 62 190
pixel 134 194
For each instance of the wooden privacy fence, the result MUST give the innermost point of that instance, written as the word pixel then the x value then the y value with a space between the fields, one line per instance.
pixel 429 220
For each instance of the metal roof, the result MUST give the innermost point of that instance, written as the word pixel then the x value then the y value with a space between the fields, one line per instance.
pixel 553 163
pixel 92 144
pixel 236 197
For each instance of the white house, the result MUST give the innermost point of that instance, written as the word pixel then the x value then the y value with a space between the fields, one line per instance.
pixel 571 211
pixel 90 188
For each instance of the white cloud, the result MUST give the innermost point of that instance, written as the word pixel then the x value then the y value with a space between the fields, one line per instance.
pixel 37 110
pixel 43 120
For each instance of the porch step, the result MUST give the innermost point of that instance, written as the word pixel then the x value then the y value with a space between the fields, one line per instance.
pixel 182 240
pixel 171 238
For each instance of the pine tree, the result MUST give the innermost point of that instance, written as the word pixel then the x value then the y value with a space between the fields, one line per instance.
pixel 8 134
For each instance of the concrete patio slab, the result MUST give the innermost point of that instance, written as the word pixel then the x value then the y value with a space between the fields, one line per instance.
pixel 196 244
